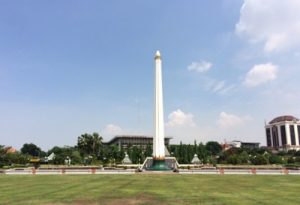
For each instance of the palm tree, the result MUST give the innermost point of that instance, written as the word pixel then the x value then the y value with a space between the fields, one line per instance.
pixel 89 144
pixel 96 143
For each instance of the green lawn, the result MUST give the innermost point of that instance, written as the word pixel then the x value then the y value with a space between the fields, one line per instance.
pixel 149 189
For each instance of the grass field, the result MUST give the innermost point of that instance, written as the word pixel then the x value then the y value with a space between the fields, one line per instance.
pixel 149 189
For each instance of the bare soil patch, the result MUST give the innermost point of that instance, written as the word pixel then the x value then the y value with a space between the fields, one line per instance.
pixel 135 200
pixel 138 200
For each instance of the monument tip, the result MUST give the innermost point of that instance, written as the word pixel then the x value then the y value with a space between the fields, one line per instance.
pixel 157 54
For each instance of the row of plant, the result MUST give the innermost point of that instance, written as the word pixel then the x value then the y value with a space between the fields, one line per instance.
pixel 90 150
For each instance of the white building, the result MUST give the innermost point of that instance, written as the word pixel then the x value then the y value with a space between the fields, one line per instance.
pixel 283 133
pixel 236 144
pixel 240 144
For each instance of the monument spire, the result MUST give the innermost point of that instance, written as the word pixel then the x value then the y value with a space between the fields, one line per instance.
pixel 159 135
pixel 158 161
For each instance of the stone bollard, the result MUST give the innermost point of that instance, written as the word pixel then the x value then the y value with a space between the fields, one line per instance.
pixel 221 171
pixel 93 170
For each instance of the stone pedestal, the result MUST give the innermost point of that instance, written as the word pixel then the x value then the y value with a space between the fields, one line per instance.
pixel 167 164
pixel 159 165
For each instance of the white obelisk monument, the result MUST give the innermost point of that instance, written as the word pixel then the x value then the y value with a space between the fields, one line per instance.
pixel 159 133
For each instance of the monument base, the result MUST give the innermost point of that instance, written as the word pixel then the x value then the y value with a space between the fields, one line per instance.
pixel 159 165
pixel 167 164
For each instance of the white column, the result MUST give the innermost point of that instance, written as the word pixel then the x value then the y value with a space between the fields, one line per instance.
pixel 296 134
pixel 159 135
pixel 288 134
pixel 271 134
pixel 279 136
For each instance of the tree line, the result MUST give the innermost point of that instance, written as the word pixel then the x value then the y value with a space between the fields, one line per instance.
pixel 90 150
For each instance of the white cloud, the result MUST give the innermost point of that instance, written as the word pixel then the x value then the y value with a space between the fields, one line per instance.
pixel 261 73
pixel 227 89
pixel 219 86
pixel 275 23
pixel 112 130
pixel 200 67
pixel 230 120
pixel 178 118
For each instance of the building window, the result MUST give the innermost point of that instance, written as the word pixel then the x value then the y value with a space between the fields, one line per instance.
pixel 269 144
pixel 275 136
pixel 283 135
pixel 293 138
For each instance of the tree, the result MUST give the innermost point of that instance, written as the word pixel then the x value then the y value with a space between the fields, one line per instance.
pixel 15 158
pixel 202 153
pixel 233 159
pixel 184 156
pixel 195 146
pixel 89 144
pixel 148 151
pixel 275 159
pixel 180 153
pixel 213 147
pixel 96 143
pixel 190 152
pixel 62 153
pixel 121 155
pixel 135 154
pixel 84 144
pixel 244 157
pixel 259 160
pixel 31 149
pixel 297 154
pixel 291 160
pixel 2 150
pixel 75 157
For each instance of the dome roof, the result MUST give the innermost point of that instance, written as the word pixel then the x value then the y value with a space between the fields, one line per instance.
pixel 284 118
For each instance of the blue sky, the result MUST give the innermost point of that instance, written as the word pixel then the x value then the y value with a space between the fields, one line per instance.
pixel 67 68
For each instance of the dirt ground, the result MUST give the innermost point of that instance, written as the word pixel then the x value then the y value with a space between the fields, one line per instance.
pixel 137 200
